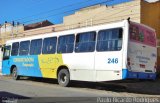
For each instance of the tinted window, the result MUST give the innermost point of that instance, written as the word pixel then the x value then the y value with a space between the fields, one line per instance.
pixel 66 44
pixel 109 40
pixel 85 42
pixel 15 47
pixel 36 46
pixel 24 48
pixel 49 45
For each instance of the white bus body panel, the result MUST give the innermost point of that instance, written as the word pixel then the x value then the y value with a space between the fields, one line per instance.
pixel 81 66
pixel 106 71
pixel 142 57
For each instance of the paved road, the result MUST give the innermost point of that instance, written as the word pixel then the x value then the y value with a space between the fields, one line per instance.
pixel 33 88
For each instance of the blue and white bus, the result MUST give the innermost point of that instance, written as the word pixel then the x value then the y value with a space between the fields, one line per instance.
pixel 107 52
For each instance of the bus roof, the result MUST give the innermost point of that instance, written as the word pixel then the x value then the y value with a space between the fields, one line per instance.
pixel 78 30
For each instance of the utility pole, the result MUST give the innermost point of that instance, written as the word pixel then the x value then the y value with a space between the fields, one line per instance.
pixel 5 26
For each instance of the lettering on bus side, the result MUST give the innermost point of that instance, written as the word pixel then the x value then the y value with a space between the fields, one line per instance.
pixel 50 60
pixel 112 61
pixel 26 62
pixel 23 59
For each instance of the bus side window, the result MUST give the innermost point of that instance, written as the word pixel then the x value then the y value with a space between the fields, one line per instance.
pixel 6 53
pixel 15 48
pixel 24 48
pixel 109 40
pixel 66 44
pixel 36 47
pixel 49 45
pixel 85 42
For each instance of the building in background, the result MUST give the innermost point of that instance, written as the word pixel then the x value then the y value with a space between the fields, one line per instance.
pixel 37 25
pixel 9 31
pixel 42 27
pixel 140 11
pixel 12 31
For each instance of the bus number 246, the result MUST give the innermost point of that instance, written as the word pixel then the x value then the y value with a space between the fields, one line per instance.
pixel 112 60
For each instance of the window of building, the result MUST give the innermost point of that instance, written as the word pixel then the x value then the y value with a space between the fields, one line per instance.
pixel 24 48
pixel 36 46
pixel 15 48
pixel 49 45
pixel 66 44
pixel 85 42
pixel 109 40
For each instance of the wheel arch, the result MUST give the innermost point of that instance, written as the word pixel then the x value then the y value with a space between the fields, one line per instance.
pixel 62 67
pixel 11 69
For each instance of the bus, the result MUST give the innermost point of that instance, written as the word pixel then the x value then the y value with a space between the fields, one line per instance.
pixel 107 52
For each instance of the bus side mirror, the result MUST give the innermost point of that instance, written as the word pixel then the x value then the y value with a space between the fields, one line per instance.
pixel 2 49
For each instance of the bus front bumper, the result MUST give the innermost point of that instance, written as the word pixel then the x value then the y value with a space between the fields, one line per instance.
pixel 137 75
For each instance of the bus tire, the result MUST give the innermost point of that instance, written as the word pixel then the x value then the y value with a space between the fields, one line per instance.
pixel 63 77
pixel 15 75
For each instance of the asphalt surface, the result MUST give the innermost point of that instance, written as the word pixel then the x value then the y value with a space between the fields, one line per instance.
pixel 37 90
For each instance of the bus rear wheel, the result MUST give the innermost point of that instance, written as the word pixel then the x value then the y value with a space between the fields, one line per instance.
pixel 63 78
pixel 15 75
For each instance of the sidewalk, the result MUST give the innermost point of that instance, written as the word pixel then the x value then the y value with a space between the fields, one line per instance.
pixel 141 86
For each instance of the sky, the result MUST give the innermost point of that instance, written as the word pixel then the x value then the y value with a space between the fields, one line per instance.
pixel 32 11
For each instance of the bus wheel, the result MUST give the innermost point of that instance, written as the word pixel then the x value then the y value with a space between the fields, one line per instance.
pixel 14 74
pixel 63 77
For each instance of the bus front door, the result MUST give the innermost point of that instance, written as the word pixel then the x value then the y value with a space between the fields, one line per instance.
pixel 6 60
